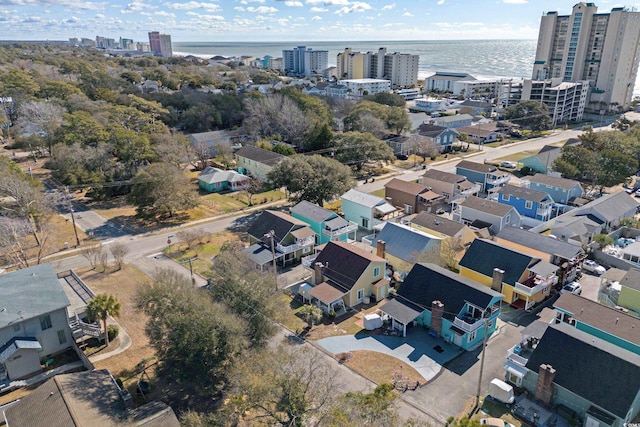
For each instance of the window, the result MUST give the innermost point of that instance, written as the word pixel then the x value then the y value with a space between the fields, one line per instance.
pixel 506 197
pixel 528 204
pixel 360 294
pixel 365 223
pixel 472 336
pixel 306 249
pixel 62 338
pixel 376 272
pixel 45 322
pixel 507 219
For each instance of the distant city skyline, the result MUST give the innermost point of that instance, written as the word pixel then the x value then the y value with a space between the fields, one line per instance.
pixel 277 20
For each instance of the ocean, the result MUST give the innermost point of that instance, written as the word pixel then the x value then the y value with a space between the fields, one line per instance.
pixel 480 58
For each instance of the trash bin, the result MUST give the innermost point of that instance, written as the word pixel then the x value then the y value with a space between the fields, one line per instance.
pixel 66 245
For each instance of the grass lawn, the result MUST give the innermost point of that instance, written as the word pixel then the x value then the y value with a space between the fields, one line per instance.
pixel 516 157
pixel 207 248
pixel 381 368
pixel 124 285
pixel 490 408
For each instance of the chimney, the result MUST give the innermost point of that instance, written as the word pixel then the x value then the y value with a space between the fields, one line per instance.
pixel 437 309
pixel 496 282
pixel 317 273
pixel 380 248
pixel 544 388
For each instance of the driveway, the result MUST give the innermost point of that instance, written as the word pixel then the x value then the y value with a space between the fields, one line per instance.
pixel 419 350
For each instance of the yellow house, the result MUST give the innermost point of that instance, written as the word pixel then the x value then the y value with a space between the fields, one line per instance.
pixel 522 279
pixel 345 276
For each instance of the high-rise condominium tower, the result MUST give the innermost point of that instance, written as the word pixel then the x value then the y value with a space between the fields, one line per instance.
pixel 602 48
pixel 160 44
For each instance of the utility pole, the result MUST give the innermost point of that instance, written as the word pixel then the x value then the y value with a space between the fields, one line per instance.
pixel 73 218
pixel 271 235
pixel 484 346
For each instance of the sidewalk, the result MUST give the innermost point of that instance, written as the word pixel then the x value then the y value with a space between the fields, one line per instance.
pixel 125 343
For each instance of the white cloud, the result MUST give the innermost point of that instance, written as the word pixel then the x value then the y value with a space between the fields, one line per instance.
pixel 319 9
pixel 389 6
pixel 239 9
pixel 407 14
pixel 440 1
pixel 193 5
pixel 251 1
pixel 515 1
pixel 329 2
pixel 165 14
pixel 316 18
pixel 293 3
pixel 262 9
pixel 355 7
pixel 137 6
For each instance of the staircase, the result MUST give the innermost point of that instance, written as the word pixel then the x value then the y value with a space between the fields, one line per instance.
pixel 80 329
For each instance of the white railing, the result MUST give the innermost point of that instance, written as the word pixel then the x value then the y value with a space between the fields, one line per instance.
pixel 299 244
pixel 309 260
pixel 544 210
pixel 475 189
pixel 340 231
pixel 516 358
pixel 539 283
pixel 503 179
pixel 467 327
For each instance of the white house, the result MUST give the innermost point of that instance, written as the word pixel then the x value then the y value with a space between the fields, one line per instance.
pixel 365 209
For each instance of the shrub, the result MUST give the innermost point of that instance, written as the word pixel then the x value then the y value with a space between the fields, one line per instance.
pixel 112 332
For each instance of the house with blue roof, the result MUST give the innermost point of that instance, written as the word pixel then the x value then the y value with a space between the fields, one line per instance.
pixel 326 224
pixel 561 190
pixel 403 246
pixel 34 324
pixel 453 307
pixel 488 176
pixel 529 203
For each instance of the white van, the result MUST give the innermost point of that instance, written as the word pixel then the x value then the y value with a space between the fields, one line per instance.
pixel 501 391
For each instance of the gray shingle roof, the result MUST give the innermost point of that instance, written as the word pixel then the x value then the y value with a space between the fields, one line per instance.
pixel 475 166
pixel 29 293
pixel 487 206
pixel 282 224
pixel 345 263
pixel 437 223
pixel 524 193
pixel 404 242
pixel 539 242
pixel 431 131
pixel 312 211
pixel 439 175
pixel 483 256
pixel 406 186
pixel 589 367
pixel 364 199
pixel 610 206
pixel 426 283
pixel 554 181
pixel 631 279
pixel 212 175
pixel 259 155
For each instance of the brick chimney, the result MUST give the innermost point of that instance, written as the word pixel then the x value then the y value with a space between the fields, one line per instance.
pixel 380 248
pixel 496 282
pixel 544 388
pixel 317 273
pixel 437 309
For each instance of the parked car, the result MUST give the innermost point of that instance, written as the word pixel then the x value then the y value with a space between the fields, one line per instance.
pixel 508 164
pixel 638 192
pixel 495 422
pixel 573 287
pixel 593 267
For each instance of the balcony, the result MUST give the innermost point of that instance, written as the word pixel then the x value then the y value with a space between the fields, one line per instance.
pixel 308 261
pixel 468 323
pixel 498 180
pixel 352 227
pixel 474 189
pixel 536 284
pixel 299 244
pixel 521 352
pixel 544 211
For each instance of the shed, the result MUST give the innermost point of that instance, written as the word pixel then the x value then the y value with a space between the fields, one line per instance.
pixel 305 292
pixel 372 321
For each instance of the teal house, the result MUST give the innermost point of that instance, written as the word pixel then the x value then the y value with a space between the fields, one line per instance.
pixel 606 323
pixel 327 225
pixel 453 307
pixel 216 180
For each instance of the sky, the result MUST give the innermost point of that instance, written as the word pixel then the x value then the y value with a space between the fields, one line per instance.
pixel 281 20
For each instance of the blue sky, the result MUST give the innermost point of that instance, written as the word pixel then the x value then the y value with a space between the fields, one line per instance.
pixel 281 20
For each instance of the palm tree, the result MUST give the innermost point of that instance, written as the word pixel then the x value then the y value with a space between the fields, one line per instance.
pixel 102 306
pixel 310 314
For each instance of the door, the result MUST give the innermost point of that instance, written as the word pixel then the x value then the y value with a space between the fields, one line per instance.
pixel 457 340
pixel 360 295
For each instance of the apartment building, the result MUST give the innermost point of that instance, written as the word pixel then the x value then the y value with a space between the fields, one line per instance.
pixel 160 44
pixel 566 101
pixel 304 61
pixel 601 48
pixel 361 87
pixel 401 69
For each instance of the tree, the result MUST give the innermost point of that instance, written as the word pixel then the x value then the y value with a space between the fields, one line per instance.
pixel 614 168
pixel 160 191
pixel 529 114
pixel 92 254
pixel 246 292
pixel 196 340
pixel 367 409
pixel 256 186
pixel 44 115
pixel 398 120
pixel 313 178
pixel 190 236
pixel 283 149
pixel 101 307
pixel 422 146
pixel 356 148
pixel 310 314
pixel 387 98
pixel 118 250
pixel 603 240
pixel 202 151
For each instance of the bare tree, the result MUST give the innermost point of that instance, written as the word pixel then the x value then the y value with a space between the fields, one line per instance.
pixel 276 114
pixel 422 146
pixel 44 116
pixel 190 236
pixel 104 260
pixel 118 250
pixel 255 187
pixel 171 149
pixel 92 254
pixel 23 242
pixel 369 123
pixel 202 152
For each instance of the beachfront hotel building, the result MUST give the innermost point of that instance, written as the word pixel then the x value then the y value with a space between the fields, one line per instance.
pixel 602 48
pixel 160 44
pixel 401 69
pixel 566 101
pixel 304 61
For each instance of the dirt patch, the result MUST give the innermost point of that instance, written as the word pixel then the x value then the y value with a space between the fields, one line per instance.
pixel 124 285
pixel 382 368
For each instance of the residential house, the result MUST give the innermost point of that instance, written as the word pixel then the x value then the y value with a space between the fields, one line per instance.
pixel 476 107
pixel 480 134
pixel 542 162
pixel 452 122
pixel 562 254
pixel 217 141
pixel 400 144
pixel 411 197
pixel 533 204
pixel 365 209
pixel 629 297
pixel 518 355
pixel 441 136
pixel 561 190
pixel 418 118
pixel 574 369
pixel 488 176
pixel 403 246
pixel 524 280
pixel 606 323
pixel 457 309
pixel 442 81
pixel 345 276
pixel 34 323
pixel 337 90
pixel 453 187
pixel 216 180
pixel 85 399
pixel 484 213
pixel 257 162
pixel 579 226
pixel 326 224
pixel 278 237
pixel 456 234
